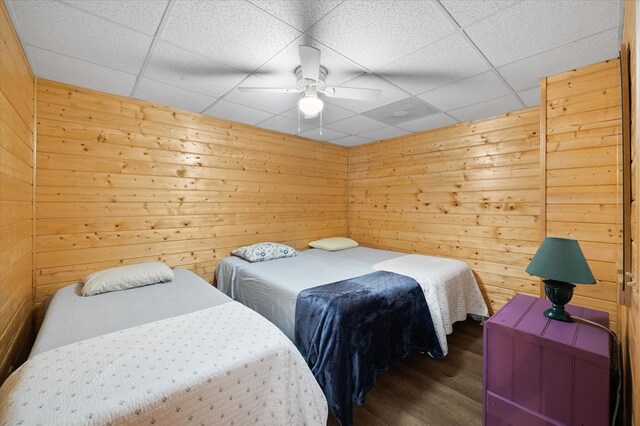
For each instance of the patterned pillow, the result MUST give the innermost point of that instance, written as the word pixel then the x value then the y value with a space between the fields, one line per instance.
pixel 264 251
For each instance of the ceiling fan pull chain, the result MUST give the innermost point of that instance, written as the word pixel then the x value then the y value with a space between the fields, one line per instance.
pixel 320 122
pixel 298 120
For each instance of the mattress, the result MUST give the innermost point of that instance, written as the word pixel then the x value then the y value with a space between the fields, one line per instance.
pixel 271 288
pixel 70 317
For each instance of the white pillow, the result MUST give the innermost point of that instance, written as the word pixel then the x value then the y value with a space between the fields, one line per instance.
pixel 334 244
pixel 124 277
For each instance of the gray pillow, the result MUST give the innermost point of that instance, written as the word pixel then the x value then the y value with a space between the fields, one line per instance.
pixel 124 277
pixel 264 251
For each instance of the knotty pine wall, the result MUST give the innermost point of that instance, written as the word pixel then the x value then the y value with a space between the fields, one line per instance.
pixel 469 191
pixel 630 312
pixel 16 198
pixel 583 173
pixel 122 181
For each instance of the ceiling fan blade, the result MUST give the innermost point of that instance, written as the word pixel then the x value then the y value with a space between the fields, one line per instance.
pixel 310 62
pixel 356 93
pixel 268 90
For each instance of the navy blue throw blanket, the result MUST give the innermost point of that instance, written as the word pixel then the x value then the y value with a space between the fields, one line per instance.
pixel 350 330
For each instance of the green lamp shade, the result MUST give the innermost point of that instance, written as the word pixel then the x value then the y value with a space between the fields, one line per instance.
pixel 561 259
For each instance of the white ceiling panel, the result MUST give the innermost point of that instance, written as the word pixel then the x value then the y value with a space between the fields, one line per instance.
pixel 374 33
pixel 356 125
pixel 330 114
pixel 530 97
pixel 469 91
pixel 234 112
pixel 176 97
pixel 275 103
pixel 467 12
pixel 178 67
pixel 236 33
pixel 390 93
pixel 286 125
pixel 65 69
pixel 419 53
pixel 384 133
pixel 487 109
pixel 440 63
pixel 279 71
pixel 527 72
pixel 327 134
pixel 350 141
pixel 300 15
pixel 427 123
pixel 64 29
pixel 139 15
pixel 532 26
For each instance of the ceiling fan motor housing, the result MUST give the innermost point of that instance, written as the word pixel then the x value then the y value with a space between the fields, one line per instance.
pixel 304 83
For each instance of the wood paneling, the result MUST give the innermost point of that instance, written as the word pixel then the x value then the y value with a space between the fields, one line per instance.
pixel 16 198
pixel 583 173
pixel 470 191
pixel 629 312
pixel 122 181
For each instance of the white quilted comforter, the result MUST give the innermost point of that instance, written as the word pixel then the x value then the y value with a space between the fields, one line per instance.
pixel 449 287
pixel 224 365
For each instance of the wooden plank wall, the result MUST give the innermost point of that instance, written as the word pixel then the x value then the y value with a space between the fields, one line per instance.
pixel 16 198
pixel 630 312
pixel 470 191
pixel 122 181
pixel 583 170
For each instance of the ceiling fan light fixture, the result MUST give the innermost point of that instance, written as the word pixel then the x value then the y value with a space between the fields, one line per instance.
pixel 310 105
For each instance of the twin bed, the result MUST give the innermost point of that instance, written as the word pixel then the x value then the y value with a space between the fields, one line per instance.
pixel 184 352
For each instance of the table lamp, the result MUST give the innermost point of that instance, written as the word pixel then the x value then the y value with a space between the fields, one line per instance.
pixel 561 264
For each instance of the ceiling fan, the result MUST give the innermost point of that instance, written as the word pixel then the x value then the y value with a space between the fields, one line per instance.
pixel 310 81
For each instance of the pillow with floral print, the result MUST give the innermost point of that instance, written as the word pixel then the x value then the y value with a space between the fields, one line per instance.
pixel 264 251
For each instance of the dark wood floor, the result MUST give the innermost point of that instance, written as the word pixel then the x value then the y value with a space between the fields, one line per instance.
pixel 424 391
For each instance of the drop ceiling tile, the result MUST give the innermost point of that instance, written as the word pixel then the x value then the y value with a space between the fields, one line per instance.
pixel 286 125
pixel 390 93
pixel 296 14
pixel 235 33
pixel 374 33
pixel 175 97
pixel 384 133
pixel 275 103
pixel 407 109
pixel 527 72
pixel 327 134
pixel 487 109
pixel 467 12
pixel 178 67
pixel 466 92
pixel 530 27
pixel 279 70
pixel 139 15
pixel 446 61
pixel 350 141
pixel 61 28
pixel 426 123
pixel 356 125
pixel 65 69
pixel 234 112
pixel 530 97
pixel 330 114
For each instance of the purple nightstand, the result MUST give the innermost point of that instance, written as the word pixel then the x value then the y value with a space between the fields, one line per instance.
pixel 538 371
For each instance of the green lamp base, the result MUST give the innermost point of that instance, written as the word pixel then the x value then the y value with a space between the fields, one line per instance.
pixel 559 293
pixel 558 313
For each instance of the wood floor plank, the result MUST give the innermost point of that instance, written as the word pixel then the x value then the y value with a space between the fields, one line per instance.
pixel 423 391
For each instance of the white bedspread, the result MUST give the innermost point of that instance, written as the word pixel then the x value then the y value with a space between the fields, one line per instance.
pixel 449 286
pixel 222 365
